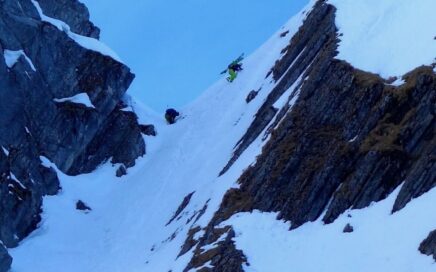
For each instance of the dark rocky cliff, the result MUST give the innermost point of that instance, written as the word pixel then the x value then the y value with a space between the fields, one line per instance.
pixel 75 137
pixel 350 139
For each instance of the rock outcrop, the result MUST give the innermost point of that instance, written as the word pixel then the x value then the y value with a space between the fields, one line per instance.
pixel 5 259
pixel 42 67
pixel 349 140
pixel 428 246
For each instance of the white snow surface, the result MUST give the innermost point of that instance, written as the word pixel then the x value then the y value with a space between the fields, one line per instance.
pixel 5 151
pixel 80 98
pixel 85 42
pixel 380 242
pixel 127 228
pixel 12 56
pixel 387 37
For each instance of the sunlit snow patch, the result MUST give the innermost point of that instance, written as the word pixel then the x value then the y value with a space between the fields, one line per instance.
pixel 81 98
pixel 5 151
pixel 12 57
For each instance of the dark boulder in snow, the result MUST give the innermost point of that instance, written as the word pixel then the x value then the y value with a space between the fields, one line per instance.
pixel 284 34
pixel 181 207
pixel 58 104
pixel 428 246
pixel 252 95
pixel 81 206
pixel 121 171
pixel 348 229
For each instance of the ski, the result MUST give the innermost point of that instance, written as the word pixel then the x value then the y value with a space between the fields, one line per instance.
pixel 239 59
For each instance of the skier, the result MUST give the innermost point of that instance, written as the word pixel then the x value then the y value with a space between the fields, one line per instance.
pixel 234 68
pixel 171 115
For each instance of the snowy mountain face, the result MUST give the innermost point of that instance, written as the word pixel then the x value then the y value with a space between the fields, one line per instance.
pixel 60 97
pixel 320 156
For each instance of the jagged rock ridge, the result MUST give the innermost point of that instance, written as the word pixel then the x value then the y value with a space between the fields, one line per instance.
pixel 38 125
pixel 350 139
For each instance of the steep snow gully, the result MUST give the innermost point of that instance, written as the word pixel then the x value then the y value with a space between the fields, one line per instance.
pixel 237 186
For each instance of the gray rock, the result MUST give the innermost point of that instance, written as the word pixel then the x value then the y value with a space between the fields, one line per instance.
pixel 224 257
pixel 181 207
pixel 5 259
pixel 252 95
pixel 81 206
pixel 121 171
pixel 348 229
pixel 284 34
pixel 74 137
pixel 148 130
pixel 428 246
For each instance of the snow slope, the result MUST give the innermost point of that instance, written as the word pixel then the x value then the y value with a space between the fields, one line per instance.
pixel 125 231
pixel 373 246
pixel 127 228
pixel 389 37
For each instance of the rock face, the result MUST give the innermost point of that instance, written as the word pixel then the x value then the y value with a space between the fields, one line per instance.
pixel 49 66
pixel 350 139
pixel 428 246
pixel 5 259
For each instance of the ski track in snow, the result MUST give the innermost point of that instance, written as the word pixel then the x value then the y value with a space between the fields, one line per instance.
pixel 125 231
